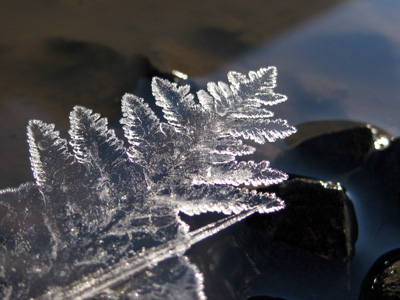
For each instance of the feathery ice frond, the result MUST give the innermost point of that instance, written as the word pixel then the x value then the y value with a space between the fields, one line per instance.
pixel 48 154
pixel 100 215
pixel 93 144
pixel 257 87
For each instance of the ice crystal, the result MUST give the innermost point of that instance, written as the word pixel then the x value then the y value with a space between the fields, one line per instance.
pixel 102 220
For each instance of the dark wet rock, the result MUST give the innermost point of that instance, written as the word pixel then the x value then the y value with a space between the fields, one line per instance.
pixel 377 182
pixel 226 268
pixel 388 167
pixel 383 279
pixel 319 217
pixel 305 247
pixel 330 148
pixel 336 152
pixel 314 129
pixel 301 251
pixel 375 188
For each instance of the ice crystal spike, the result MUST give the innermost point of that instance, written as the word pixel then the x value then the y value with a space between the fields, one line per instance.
pixel 104 219
pixel 48 152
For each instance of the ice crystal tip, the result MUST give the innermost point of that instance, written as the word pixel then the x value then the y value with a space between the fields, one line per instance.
pixel 99 212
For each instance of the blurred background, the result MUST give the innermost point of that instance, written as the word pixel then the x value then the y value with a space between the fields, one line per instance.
pixel 336 59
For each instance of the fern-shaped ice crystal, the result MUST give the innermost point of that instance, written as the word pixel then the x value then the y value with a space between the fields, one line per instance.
pixel 100 214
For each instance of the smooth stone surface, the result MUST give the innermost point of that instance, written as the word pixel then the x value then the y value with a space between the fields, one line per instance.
pixel 303 250
pixel 318 217
pixel 335 152
pixel 388 167
pixel 377 182
pixel 383 279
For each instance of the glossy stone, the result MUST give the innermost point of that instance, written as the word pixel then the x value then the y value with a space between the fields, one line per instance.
pixel 331 153
pixel 383 279
pixel 304 249
pixel 387 167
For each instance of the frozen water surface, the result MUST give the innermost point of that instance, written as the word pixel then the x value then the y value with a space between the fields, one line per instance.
pixel 102 219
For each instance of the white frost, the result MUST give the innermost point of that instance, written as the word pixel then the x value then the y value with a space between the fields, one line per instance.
pixel 103 219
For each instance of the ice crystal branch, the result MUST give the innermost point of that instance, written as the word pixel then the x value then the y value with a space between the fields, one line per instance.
pixel 101 214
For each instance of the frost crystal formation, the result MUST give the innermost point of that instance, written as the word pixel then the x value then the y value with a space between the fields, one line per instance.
pixel 102 219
